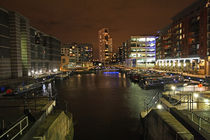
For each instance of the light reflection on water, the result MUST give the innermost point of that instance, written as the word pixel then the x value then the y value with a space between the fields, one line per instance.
pixel 104 106
pixel 47 89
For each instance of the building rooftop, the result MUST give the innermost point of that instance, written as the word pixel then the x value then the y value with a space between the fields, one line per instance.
pixel 193 7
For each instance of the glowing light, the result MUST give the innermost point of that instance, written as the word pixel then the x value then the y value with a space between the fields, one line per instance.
pixel 141 39
pixel 55 70
pixel 179 64
pixel 151 39
pixel 195 95
pixel 178 59
pixel 173 87
pixel 185 84
pixel 29 74
pixel 49 70
pixel 111 72
pixel 32 71
pixel 185 64
pixel 206 101
pixel 159 106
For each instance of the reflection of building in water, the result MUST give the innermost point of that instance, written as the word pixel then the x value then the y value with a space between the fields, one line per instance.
pixel 47 89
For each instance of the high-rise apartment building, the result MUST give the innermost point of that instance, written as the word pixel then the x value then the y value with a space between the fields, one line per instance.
pixel 105 45
pixel 23 49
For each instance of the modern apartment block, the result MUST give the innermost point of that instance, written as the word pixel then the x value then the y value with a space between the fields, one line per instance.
pixel 123 53
pixel 24 50
pixel 5 60
pixel 142 51
pixel 105 46
pixel 45 52
pixel 185 44
pixel 76 55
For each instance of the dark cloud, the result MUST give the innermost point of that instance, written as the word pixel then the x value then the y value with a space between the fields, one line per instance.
pixel 80 20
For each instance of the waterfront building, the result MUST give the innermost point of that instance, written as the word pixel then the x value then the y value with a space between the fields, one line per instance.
pixel 5 60
pixel 120 55
pixel 45 52
pixel 24 50
pixel 114 58
pixel 76 55
pixel 123 53
pixel 141 51
pixel 188 38
pixel 105 45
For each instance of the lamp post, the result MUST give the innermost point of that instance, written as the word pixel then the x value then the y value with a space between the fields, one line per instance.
pixel 173 88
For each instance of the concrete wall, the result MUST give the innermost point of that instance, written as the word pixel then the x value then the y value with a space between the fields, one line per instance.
pixel 190 125
pixel 161 125
pixel 58 126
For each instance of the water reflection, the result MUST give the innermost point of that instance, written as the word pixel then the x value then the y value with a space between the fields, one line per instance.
pixel 47 89
pixel 105 105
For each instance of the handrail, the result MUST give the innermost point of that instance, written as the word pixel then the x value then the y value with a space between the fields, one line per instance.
pixel 180 100
pixel 152 101
pixel 199 123
pixel 21 128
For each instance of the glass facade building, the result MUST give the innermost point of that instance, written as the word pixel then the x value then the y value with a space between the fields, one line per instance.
pixel 142 51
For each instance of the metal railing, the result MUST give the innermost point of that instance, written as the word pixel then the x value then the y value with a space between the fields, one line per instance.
pixel 180 100
pixel 202 123
pixel 149 103
pixel 16 129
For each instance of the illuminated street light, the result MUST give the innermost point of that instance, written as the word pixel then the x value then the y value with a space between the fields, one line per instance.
pixel 55 70
pixel 195 95
pixel 173 88
pixel 159 106
pixel 206 101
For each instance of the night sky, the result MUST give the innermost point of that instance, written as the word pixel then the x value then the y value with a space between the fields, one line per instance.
pixel 80 20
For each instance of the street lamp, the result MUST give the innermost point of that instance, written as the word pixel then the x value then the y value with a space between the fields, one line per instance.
pixel 159 106
pixel 195 95
pixel 173 88
pixel 206 101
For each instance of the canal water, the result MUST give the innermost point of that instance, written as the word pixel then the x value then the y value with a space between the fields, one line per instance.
pixel 105 106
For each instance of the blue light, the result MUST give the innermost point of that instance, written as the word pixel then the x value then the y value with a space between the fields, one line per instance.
pixel 2 89
pixel 111 72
